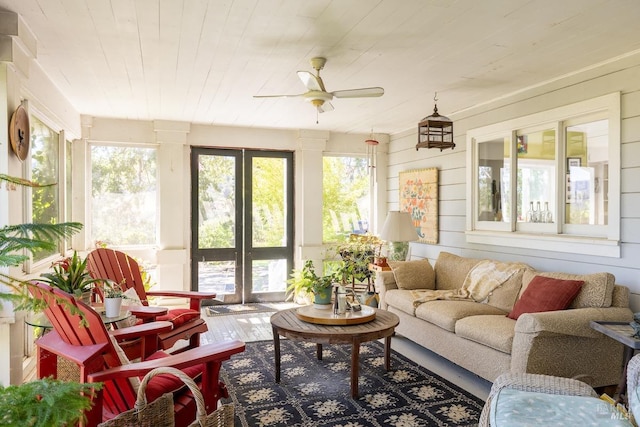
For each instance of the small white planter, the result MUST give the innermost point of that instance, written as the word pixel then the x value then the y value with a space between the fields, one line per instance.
pixel 112 306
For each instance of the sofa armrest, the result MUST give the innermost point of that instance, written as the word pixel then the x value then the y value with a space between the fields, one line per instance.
pixel 385 281
pixel 574 322
pixel 535 383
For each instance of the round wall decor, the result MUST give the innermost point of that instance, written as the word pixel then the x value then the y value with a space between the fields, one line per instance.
pixel 19 132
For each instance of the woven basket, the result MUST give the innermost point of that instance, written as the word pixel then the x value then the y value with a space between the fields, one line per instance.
pixel 159 413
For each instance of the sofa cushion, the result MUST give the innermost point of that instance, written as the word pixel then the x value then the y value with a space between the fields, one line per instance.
pixel 546 294
pixel 416 274
pixel 402 299
pixel 597 290
pixel 505 295
pixel 495 331
pixel 451 270
pixel 445 313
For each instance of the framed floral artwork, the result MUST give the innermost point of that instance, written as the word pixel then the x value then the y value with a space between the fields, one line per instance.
pixel 419 197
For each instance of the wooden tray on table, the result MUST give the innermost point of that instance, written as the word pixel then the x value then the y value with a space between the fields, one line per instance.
pixel 311 314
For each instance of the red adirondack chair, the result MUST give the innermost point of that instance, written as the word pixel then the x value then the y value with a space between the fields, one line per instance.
pixel 121 268
pixel 99 360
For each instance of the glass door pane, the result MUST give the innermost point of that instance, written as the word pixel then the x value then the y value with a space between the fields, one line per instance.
pixel 216 223
pixel 269 228
pixel 242 220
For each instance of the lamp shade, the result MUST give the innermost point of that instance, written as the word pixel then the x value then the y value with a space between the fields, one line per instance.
pixel 398 227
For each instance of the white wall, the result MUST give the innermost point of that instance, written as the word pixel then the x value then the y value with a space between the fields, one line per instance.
pixel 621 76
pixel 174 140
pixel 21 80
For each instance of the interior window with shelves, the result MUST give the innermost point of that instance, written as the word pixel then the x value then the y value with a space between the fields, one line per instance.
pixel 563 180
pixel 587 147
pixel 494 181
pixel 536 177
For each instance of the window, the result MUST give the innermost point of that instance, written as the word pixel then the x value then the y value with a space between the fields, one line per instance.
pixel 587 176
pixel 123 195
pixel 346 197
pixel 548 181
pixel 45 169
pixel 68 189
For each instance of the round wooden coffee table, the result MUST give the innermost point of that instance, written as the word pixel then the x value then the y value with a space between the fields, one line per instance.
pixel 286 323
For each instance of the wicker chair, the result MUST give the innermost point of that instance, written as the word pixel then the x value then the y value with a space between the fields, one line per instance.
pixel 551 385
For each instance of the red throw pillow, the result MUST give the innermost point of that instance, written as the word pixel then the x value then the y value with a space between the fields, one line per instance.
pixel 167 383
pixel 179 316
pixel 546 294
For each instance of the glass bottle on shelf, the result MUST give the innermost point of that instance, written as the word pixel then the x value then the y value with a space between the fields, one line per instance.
pixel 530 212
pixel 548 216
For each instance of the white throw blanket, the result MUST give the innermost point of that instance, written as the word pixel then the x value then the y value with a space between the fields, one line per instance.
pixel 481 280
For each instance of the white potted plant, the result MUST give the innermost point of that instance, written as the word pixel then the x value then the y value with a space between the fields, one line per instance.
pixel 113 296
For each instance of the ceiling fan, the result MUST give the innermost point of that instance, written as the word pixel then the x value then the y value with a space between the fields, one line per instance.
pixel 318 96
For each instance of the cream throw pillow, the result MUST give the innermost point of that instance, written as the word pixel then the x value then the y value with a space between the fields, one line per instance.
pixel 412 275
pixel 124 360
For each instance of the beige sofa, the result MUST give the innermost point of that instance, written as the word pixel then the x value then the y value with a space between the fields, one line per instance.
pixel 481 338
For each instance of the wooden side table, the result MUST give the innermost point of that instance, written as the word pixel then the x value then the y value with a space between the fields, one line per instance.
pixel 287 324
pixel 623 333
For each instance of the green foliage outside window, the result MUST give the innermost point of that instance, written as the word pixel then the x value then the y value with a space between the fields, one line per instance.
pixel 268 201
pixel 345 189
pixel 123 190
pixel 44 169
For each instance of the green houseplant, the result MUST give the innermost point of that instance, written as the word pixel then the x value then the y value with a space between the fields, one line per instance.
pixel 354 257
pixel 71 275
pixel 113 296
pixel 43 402
pixel 306 282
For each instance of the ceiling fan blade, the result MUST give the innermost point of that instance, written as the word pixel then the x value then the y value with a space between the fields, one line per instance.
pixel 311 81
pixel 278 96
pixel 367 92
pixel 326 106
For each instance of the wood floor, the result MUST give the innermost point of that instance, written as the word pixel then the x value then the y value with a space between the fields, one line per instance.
pixel 256 327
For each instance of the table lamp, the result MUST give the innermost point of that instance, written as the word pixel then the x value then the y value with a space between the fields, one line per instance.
pixel 398 230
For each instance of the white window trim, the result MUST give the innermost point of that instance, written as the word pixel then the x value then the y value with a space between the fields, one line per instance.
pixel 499 235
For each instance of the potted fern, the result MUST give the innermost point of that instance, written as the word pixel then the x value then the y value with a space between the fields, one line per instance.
pixel 44 402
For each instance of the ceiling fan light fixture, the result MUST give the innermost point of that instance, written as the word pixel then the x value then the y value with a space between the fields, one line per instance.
pixel 435 131
pixel 316 93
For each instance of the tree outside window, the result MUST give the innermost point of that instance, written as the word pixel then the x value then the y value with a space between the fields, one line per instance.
pixel 123 195
pixel 346 197
pixel 45 169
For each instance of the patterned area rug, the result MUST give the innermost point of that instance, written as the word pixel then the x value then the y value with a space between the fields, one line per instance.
pixel 221 310
pixel 317 393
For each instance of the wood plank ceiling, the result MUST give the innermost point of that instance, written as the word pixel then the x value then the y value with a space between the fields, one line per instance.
pixel 201 61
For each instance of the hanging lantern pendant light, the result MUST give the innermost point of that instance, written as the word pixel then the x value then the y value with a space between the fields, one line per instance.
pixel 435 131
